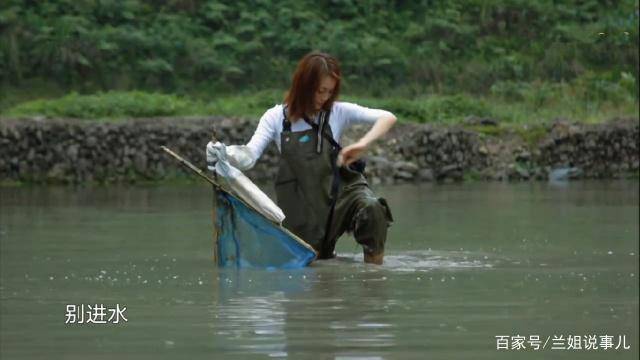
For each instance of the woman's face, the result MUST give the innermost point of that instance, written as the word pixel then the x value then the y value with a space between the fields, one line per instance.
pixel 324 91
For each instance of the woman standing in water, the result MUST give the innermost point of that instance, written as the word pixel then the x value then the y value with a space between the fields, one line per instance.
pixel 320 186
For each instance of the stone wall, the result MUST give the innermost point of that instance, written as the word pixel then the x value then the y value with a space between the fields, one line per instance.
pixel 76 151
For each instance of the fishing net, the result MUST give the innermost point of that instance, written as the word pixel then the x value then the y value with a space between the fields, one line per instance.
pixel 246 239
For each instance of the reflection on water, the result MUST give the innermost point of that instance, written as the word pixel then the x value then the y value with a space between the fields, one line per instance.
pixel 284 313
pixel 463 264
pixel 260 317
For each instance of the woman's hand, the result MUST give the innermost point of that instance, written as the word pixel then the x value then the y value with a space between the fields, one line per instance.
pixel 355 151
pixel 351 153
pixel 212 157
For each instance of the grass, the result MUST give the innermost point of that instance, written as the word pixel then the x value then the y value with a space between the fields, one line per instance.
pixel 531 134
pixel 508 103
pixel 137 104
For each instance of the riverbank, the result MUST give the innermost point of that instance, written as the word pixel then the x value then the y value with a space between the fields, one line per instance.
pixel 72 151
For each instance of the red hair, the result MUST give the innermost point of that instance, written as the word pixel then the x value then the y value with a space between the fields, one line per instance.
pixel 306 79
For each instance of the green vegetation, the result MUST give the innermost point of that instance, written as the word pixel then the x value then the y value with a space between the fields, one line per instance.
pixel 118 104
pixel 429 61
pixel 532 134
pixel 108 105
pixel 433 109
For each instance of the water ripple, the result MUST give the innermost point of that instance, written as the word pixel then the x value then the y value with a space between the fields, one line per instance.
pixel 420 261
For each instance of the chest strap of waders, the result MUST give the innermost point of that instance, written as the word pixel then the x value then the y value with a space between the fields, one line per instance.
pixel 335 182
pixel 358 165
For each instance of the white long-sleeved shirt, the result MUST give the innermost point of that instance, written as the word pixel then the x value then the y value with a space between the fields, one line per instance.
pixel 343 114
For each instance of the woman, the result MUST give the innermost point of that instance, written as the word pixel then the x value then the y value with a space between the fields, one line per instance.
pixel 320 187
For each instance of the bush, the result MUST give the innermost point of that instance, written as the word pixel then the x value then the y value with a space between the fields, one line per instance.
pixel 452 46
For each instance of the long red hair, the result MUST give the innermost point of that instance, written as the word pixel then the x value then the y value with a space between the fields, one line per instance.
pixel 306 79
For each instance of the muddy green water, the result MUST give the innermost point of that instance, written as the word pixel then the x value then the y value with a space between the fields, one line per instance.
pixel 465 263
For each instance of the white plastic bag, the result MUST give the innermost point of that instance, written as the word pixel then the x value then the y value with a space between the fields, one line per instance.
pixel 244 187
pixel 238 156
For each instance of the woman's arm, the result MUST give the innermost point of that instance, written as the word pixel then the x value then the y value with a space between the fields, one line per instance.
pixel 354 151
pixel 265 132
pixel 244 157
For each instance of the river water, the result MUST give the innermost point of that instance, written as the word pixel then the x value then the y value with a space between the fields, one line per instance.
pixel 470 269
